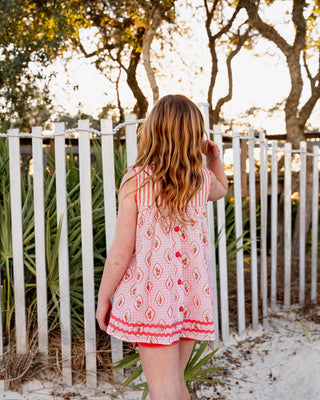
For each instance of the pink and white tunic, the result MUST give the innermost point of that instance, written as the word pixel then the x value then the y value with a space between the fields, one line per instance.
pixel 166 293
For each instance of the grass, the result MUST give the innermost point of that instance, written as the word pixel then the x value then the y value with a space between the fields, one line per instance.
pixel 16 369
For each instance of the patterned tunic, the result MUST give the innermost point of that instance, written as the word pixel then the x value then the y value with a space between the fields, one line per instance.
pixel 166 292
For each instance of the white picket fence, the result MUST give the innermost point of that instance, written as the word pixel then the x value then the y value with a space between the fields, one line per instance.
pixel 258 291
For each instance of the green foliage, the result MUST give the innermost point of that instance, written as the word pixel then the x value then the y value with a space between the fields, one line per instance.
pixel 231 239
pixel 71 121
pixel 5 237
pixel 32 33
pixel 197 369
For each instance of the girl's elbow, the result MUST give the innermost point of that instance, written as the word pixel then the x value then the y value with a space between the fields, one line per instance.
pixel 225 189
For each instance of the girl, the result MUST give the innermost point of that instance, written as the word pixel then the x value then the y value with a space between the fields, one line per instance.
pixel 159 262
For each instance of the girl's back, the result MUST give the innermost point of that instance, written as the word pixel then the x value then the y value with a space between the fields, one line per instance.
pixel 166 292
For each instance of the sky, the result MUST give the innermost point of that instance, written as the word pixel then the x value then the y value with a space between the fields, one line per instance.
pixel 259 82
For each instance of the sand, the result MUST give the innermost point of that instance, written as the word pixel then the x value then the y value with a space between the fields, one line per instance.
pixel 282 362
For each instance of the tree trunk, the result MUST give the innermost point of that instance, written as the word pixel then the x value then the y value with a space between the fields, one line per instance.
pixel 149 34
pixel 308 212
pixel 214 113
pixel 214 119
pixel 141 106
pixel 295 119
pixel 295 134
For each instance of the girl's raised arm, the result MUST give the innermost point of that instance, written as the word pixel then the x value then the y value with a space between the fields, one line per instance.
pixel 219 179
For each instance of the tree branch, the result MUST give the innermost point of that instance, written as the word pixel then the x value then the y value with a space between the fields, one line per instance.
pixel 210 12
pixel 228 97
pixel 78 44
pixel 212 43
pixel 300 24
pixel 150 31
pixel 306 67
pixel 308 107
pixel 227 27
pixel 266 30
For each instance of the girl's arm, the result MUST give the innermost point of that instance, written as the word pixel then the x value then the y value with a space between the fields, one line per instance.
pixel 219 179
pixel 121 250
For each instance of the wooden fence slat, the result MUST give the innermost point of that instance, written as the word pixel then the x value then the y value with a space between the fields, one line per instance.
pixel 17 240
pixel 287 223
pixel 39 231
pixel 274 221
pixel 63 256
pixel 238 229
pixel 222 246
pixel 253 232
pixel 212 243
pixel 263 228
pixel 107 143
pixel 204 107
pixel 110 208
pixel 87 252
pixel 315 224
pixel 131 139
pixel 1 319
pixel 302 222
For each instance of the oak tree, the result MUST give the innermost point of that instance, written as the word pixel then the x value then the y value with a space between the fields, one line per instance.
pixel 226 28
pixel 302 55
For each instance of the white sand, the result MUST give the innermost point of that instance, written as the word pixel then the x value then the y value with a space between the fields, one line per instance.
pixel 281 363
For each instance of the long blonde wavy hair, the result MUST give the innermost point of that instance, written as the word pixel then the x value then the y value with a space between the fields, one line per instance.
pixel 170 142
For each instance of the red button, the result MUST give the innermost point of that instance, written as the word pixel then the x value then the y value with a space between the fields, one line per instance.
pixel 181 309
pixel 179 281
pixel 178 254
pixel 176 229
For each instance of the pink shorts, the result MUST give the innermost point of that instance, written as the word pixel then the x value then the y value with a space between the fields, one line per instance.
pixel 161 345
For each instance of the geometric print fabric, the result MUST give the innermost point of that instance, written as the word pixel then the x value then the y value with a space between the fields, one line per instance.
pixel 166 292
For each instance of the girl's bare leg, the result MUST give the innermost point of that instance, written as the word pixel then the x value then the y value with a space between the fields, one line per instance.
pixel 185 349
pixel 161 368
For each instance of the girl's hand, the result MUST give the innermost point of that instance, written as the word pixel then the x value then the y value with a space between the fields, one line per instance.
pixel 103 314
pixel 210 150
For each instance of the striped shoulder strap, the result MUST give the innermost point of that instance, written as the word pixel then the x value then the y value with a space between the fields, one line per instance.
pixel 207 182
pixel 144 192
pixel 201 198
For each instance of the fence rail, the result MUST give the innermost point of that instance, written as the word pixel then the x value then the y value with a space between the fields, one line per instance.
pixel 269 155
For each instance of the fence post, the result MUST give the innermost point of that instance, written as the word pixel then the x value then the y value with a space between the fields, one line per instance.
pixel 39 233
pixel 222 245
pixel 131 139
pixel 253 231
pixel 287 223
pixel 204 107
pixel 17 240
pixel 274 222
pixel 263 228
pixel 1 321
pixel 302 222
pixel 238 229
pixel 244 175
pixel 87 252
pixel 110 207
pixel 63 256
pixel 315 223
